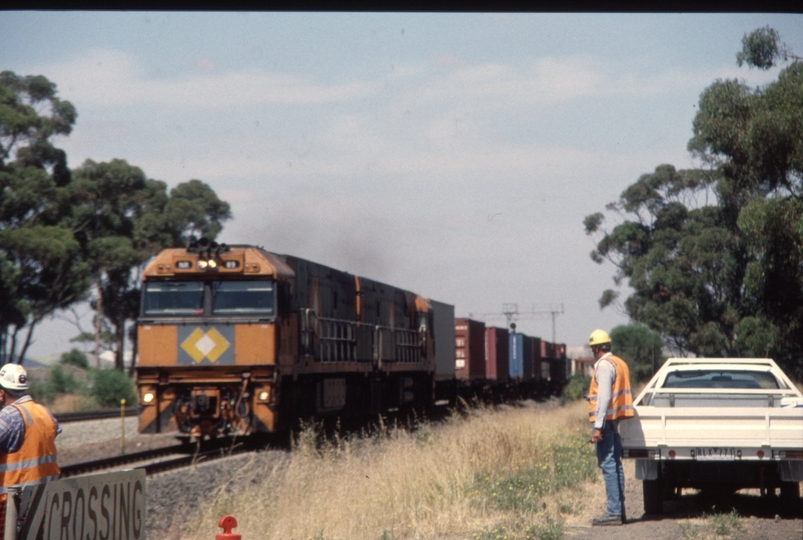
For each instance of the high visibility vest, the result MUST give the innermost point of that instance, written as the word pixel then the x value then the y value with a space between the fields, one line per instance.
pixel 35 461
pixel 621 405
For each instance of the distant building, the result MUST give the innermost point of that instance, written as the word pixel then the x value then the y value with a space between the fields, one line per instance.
pixel 584 365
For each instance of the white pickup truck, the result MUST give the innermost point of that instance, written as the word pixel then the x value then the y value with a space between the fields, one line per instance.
pixel 719 424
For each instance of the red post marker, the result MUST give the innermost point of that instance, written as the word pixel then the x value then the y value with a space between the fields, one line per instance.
pixel 227 523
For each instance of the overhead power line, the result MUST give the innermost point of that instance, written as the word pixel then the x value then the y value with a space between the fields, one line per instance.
pixel 512 313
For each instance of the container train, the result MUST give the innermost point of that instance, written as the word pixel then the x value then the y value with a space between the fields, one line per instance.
pixel 236 340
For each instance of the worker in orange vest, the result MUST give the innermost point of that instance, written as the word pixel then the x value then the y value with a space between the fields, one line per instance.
pixel 27 435
pixel 610 399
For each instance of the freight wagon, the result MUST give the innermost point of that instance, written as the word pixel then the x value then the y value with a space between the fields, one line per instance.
pixel 235 340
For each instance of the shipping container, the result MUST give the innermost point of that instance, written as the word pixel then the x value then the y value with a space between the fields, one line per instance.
pixel 547 350
pixel 496 353
pixel 469 349
pixel 536 361
pixel 521 355
pixel 443 330
pixel 515 353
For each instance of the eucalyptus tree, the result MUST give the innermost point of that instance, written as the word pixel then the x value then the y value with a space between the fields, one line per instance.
pixel 41 268
pixel 123 218
pixel 714 255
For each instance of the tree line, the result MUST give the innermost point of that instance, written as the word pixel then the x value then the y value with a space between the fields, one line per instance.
pixel 714 255
pixel 84 234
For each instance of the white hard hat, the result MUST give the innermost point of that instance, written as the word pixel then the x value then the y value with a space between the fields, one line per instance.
pixel 13 377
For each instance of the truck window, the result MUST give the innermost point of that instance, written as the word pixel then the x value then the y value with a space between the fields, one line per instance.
pixel 174 298
pixel 721 379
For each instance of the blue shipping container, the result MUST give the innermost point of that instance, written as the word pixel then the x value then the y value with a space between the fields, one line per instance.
pixel 515 355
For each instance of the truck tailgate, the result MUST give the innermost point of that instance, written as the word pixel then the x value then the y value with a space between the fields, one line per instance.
pixel 714 427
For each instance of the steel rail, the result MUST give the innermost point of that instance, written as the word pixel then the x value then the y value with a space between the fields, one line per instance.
pixel 80 416
pixel 192 454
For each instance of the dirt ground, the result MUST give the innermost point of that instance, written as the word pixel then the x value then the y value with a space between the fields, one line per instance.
pixel 758 518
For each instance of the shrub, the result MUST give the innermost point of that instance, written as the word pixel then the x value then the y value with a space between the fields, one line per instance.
pixel 576 388
pixel 42 392
pixel 63 382
pixel 60 380
pixel 109 386
pixel 75 358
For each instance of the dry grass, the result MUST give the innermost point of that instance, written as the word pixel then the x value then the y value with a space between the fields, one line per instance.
pixel 72 403
pixel 491 474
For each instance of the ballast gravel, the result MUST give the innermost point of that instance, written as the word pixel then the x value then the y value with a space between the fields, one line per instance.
pixel 171 497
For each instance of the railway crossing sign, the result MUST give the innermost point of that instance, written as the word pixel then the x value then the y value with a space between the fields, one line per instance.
pixel 107 506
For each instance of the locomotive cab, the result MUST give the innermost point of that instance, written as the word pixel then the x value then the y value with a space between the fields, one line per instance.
pixel 207 341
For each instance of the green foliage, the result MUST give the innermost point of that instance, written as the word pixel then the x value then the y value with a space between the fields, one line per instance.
pixel 640 347
pixel 194 210
pixel 40 265
pixel 722 526
pixel 123 218
pixel 42 392
pixel 106 337
pixel 75 358
pixel 62 231
pixel 760 48
pixel 59 381
pixel 109 386
pixel 63 382
pixel 545 529
pixel 715 256
pixel 524 489
pixel 576 387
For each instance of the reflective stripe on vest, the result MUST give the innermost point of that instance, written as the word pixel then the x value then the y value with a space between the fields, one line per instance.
pixel 621 405
pixel 35 461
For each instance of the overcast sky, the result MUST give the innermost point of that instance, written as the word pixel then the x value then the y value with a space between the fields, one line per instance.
pixel 454 155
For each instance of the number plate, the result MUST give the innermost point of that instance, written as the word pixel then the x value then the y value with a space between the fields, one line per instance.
pixel 715 454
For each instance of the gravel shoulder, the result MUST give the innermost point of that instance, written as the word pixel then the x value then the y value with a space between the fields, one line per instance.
pixel 758 518
pixel 96 439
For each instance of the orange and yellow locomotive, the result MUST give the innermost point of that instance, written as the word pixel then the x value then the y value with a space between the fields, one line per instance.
pixel 239 340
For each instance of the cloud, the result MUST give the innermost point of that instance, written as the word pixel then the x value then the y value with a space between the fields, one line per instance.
pixel 108 78
pixel 105 77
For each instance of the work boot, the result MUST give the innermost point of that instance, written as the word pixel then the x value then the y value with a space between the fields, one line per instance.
pixel 606 519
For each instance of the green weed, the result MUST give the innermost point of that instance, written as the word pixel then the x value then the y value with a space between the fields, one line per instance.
pixel 715 526
pixel 523 489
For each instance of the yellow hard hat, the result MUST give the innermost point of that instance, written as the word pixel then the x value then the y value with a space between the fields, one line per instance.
pixel 598 337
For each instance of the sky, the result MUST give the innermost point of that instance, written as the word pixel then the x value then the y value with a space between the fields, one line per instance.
pixel 451 154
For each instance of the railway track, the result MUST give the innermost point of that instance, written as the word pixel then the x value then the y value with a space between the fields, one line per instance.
pixel 162 459
pixel 100 414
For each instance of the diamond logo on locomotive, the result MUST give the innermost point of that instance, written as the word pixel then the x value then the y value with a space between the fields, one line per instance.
pixel 210 345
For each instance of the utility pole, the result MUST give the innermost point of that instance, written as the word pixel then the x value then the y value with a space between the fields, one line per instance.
pixel 554 312
pixel 512 313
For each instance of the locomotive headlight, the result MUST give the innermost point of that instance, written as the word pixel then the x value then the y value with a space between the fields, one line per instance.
pixel 148 397
pixel 202 264
pixel 263 395
pixel 212 263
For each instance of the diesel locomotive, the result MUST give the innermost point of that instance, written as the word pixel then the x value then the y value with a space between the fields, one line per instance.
pixel 237 340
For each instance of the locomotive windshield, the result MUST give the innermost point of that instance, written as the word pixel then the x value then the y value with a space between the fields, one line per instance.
pixel 174 298
pixel 186 298
pixel 242 298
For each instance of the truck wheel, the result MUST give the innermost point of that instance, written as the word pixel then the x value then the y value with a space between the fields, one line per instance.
pixel 653 496
pixel 790 497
